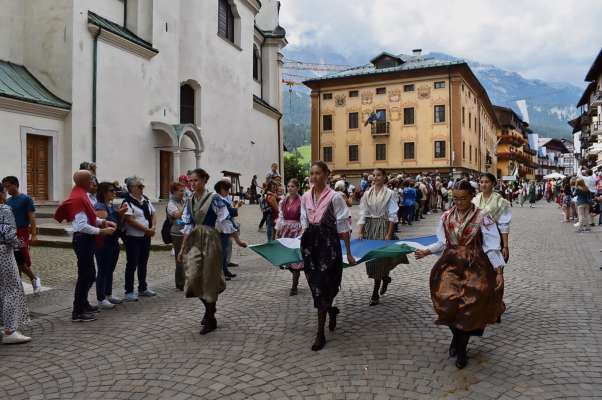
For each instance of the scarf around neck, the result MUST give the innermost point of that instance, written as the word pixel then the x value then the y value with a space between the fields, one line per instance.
pixel 77 202
pixel 461 230
pixel 377 202
pixel 495 205
pixel 316 209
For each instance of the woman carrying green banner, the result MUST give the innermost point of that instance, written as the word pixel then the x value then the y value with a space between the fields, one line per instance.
pixel 378 216
pixel 325 220
pixel 467 282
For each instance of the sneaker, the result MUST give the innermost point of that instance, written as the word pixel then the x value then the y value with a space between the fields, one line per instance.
pixel 91 309
pixel 147 293
pixel 83 317
pixel 577 225
pixel 115 300
pixel 15 338
pixel 37 285
pixel 131 297
pixel 173 251
pixel 106 305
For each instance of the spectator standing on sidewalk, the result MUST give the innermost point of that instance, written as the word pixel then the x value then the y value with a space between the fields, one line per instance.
pixel 13 307
pixel 175 209
pixel 78 209
pixel 24 211
pixel 107 247
pixel 140 222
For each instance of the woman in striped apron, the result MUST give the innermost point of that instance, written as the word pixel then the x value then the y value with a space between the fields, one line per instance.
pixel 378 217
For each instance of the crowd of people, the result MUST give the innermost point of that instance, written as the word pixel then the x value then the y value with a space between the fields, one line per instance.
pixel 202 224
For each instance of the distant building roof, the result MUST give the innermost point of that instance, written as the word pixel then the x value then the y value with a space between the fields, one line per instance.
pixel 595 70
pixel 119 30
pixel 17 82
pixel 409 63
pixel 553 143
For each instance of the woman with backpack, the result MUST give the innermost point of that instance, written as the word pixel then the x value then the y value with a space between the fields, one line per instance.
pixel 140 222
pixel 584 201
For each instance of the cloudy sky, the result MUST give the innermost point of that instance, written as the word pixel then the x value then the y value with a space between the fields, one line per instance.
pixel 553 40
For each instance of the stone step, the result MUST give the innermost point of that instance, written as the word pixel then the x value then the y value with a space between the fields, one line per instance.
pixel 54 229
pixel 65 242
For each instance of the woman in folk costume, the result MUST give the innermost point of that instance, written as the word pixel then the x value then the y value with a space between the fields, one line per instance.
pixel 325 220
pixel 497 207
pixel 13 307
pixel 467 282
pixel 201 247
pixel 378 216
pixel 288 225
pixel 532 194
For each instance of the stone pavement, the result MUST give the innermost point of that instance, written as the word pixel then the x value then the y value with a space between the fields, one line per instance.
pixel 547 347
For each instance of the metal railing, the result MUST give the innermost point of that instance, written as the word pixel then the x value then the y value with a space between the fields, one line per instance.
pixel 381 128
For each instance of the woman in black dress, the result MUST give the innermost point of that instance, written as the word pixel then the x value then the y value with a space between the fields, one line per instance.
pixel 325 220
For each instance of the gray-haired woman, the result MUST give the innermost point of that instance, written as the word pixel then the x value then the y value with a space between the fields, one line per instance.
pixel 140 220
pixel 13 308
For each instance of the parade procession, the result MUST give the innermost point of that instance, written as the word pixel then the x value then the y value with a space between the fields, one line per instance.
pixel 244 199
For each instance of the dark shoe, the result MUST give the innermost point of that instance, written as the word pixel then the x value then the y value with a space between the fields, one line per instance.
pixel 89 308
pixel 229 275
pixel 319 343
pixel 332 318
pixel 83 317
pixel 374 301
pixel 210 326
pixel 386 281
pixel 452 348
pixel 228 278
pixel 231 264
pixel 293 292
pixel 461 361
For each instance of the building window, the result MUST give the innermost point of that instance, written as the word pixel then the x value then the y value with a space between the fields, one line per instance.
pixel 439 114
pixel 408 116
pixel 408 88
pixel 463 151
pixel 440 85
pixel 327 154
pixel 381 90
pixel 354 154
pixel 440 149
pixel 354 120
pixel 327 96
pixel 470 153
pixel 463 110
pixel 469 121
pixel 408 151
pixel 462 87
pixel 381 152
pixel 354 93
pixel 475 124
pixel 225 21
pixel 327 122
pixel 186 104
pixel 256 62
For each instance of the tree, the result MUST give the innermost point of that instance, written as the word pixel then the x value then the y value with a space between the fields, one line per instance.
pixel 294 167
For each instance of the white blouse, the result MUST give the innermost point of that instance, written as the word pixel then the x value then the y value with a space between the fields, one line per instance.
pixel 341 212
pixel 491 243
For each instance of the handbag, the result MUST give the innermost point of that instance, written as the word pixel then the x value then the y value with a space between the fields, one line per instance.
pixel 166 230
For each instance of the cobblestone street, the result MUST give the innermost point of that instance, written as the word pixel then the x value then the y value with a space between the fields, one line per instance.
pixel 548 346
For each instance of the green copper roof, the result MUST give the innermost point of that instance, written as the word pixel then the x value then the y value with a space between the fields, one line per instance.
pixel 119 30
pixel 409 63
pixel 18 83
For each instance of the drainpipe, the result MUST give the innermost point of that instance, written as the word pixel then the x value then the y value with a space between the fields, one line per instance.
pixel 451 148
pixel 125 13
pixel 280 160
pixel 94 75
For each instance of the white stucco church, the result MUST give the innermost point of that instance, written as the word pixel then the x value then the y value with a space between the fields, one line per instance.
pixel 145 87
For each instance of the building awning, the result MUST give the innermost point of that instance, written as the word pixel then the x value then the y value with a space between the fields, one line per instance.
pixel 120 35
pixel 16 82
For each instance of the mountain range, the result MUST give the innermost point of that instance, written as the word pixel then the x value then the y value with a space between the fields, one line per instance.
pixel 550 104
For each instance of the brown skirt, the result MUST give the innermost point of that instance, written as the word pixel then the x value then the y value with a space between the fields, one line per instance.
pixel 466 291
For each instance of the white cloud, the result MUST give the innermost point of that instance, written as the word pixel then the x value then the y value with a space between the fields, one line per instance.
pixel 554 40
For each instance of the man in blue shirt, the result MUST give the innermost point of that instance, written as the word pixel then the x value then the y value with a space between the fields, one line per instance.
pixel 24 211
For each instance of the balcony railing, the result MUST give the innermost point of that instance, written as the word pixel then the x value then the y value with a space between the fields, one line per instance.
pixel 381 128
pixel 597 128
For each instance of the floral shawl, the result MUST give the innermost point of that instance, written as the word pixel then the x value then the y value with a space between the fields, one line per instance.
pixel 462 231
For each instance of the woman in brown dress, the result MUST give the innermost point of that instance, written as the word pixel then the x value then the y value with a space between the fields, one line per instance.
pixel 467 282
